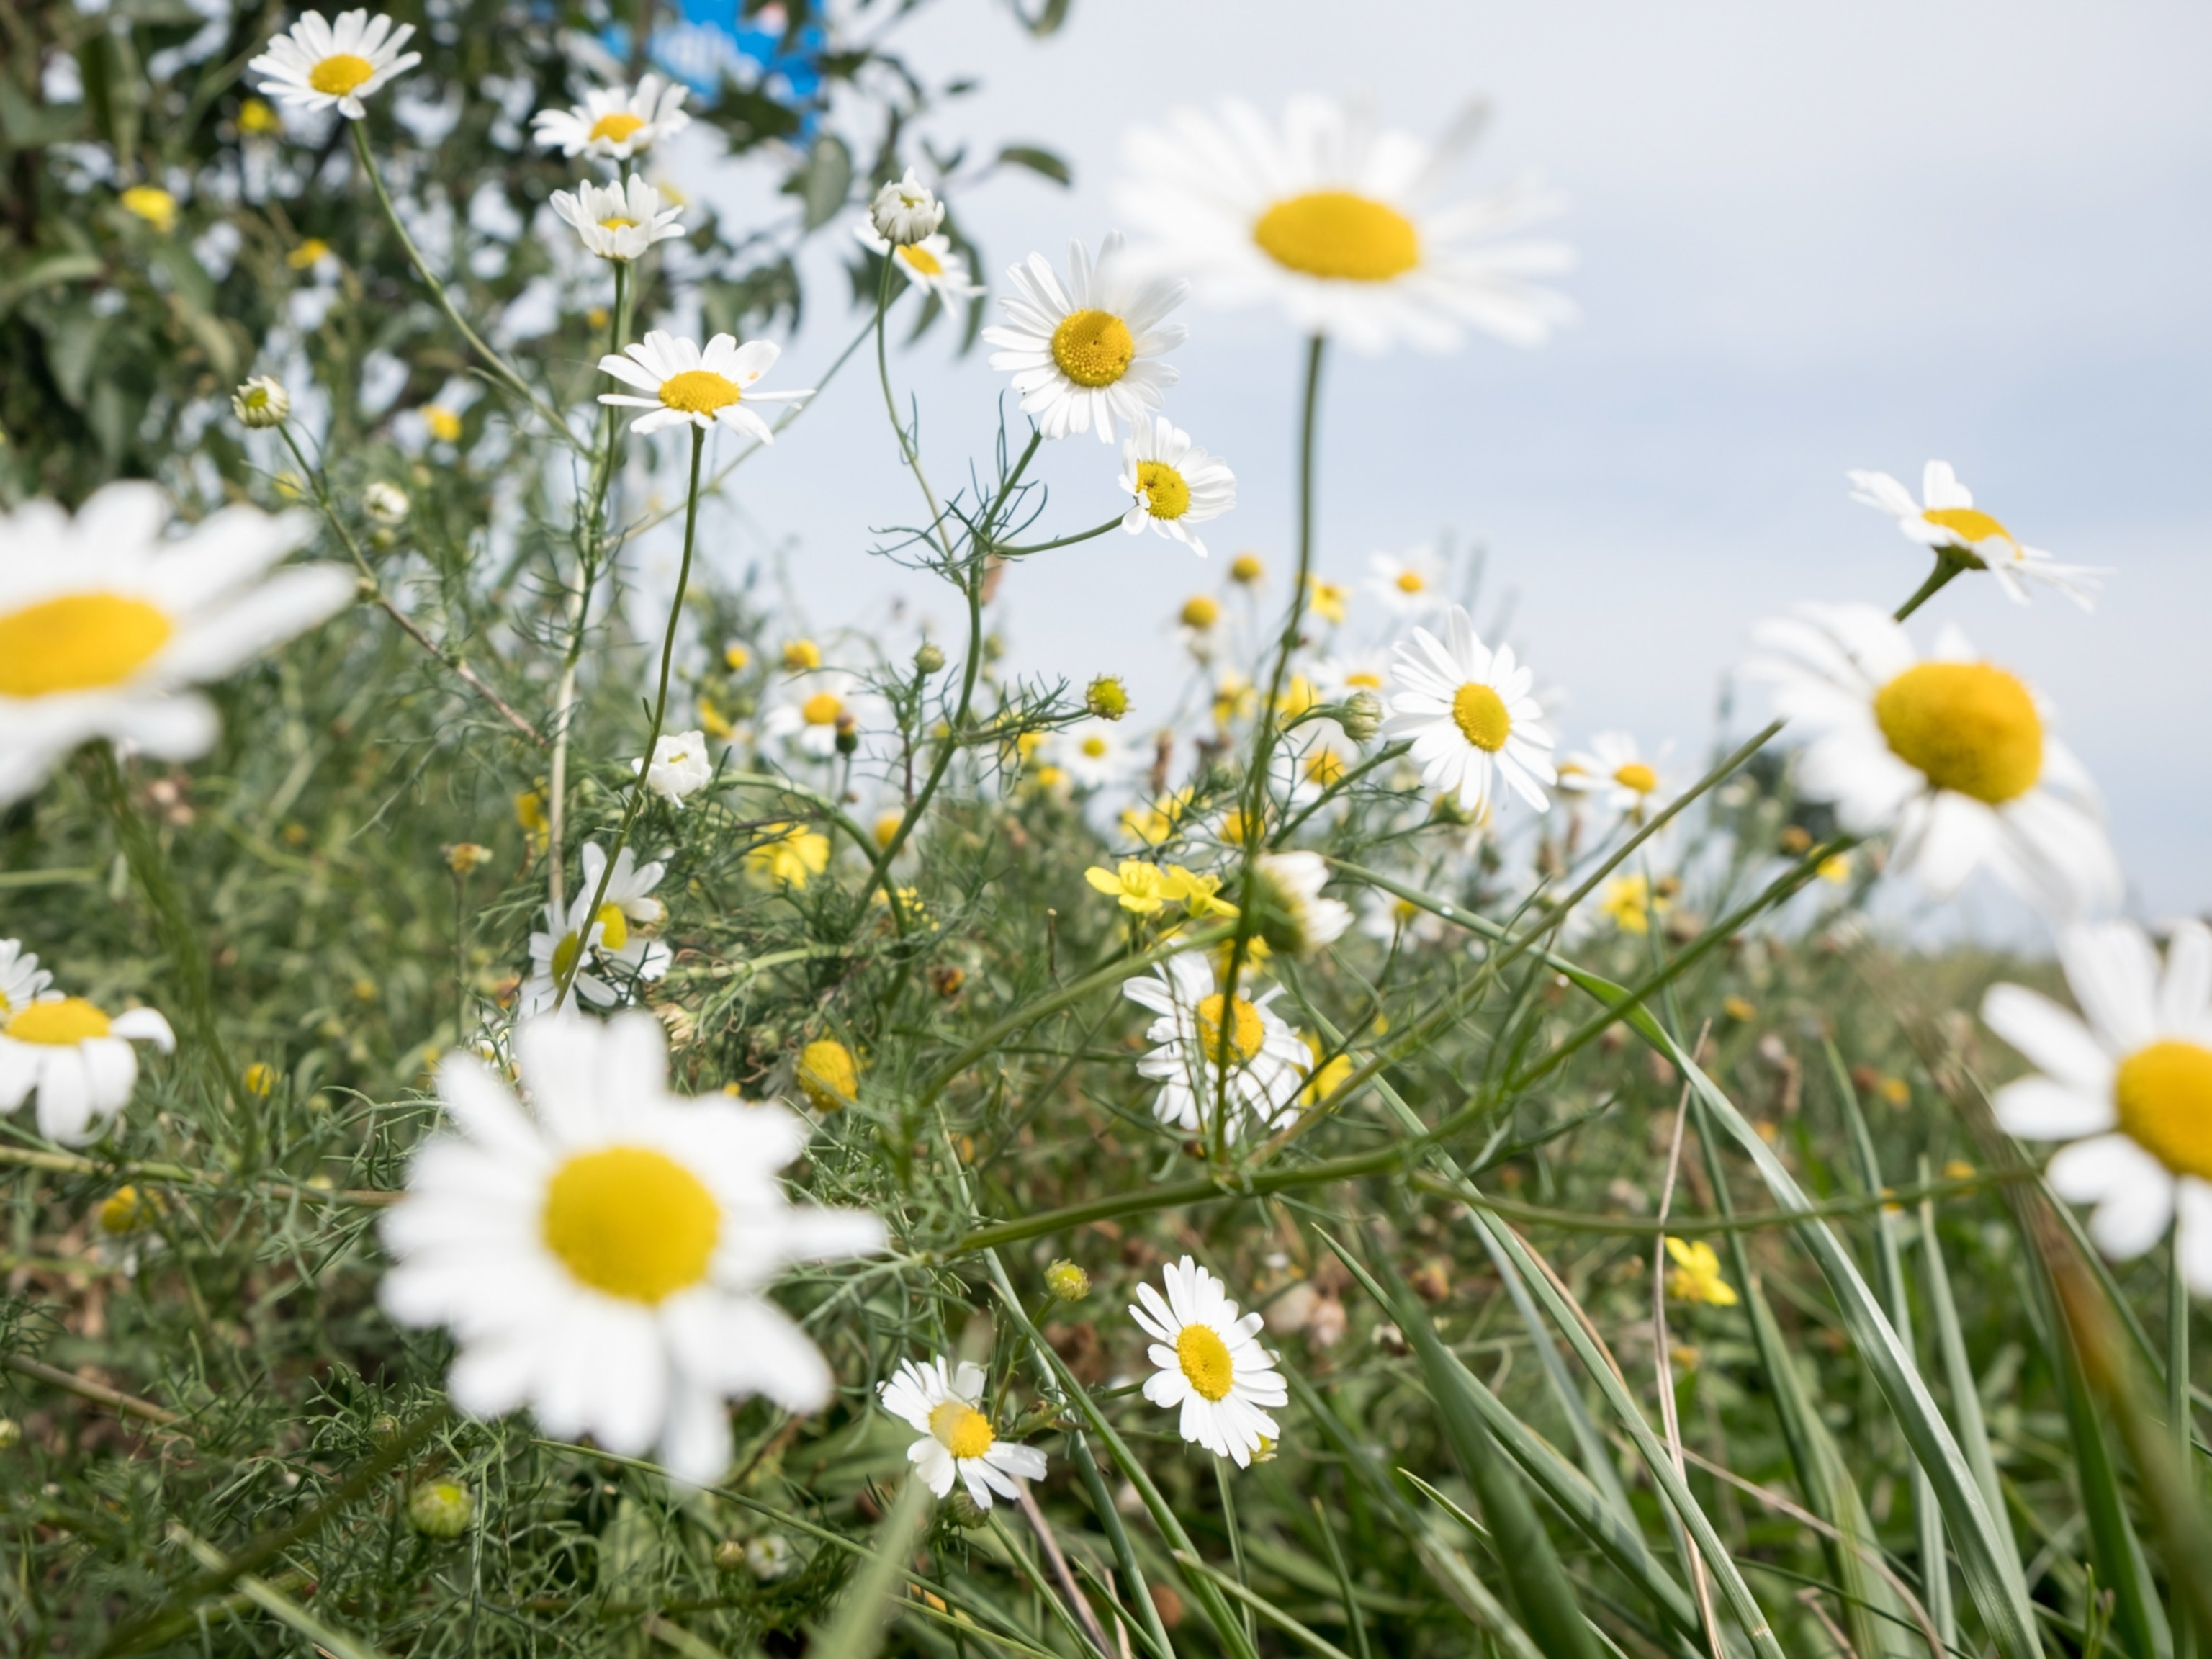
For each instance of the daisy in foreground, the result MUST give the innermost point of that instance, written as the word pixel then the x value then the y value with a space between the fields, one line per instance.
pixel 601 1254
pixel 1266 1061
pixel 1613 773
pixel 1336 222
pixel 2131 1088
pixel 1210 1364
pixel 613 122
pixel 1949 523
pixel 929 264
pixel 105 621
pixel 319 64
pixel 1951 753
pixel 700 386
pixel 570 949
pixel 78 1060
pixel 957 1437
pixel 1172 482
pixel 618 221
pixel 1469 714
pixel 1088 351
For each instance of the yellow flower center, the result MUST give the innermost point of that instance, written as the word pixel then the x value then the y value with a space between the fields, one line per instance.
pixel 1325 766
pixel 801 654
pixel 827 1073
pixel 564 957
pixel 617 224
pixel 631 1222
pixel 1363 679
pixel 698 391
pixel 822 708
pixel 339 74
pixel 2164 1094
pixel 1637 776
pixel 78 642
pixel 1245 1039
pixel 1409 581
pixel 961 1429
pixel 614 928
pixel 1969 523
pixel 1094 748
pixel 1965 726
pixel 1479 714
pixel 124 1211
pixel 1201 613
pixel 615 126
pixel 1093 348
pixel 1166 495
pixel 920 259
pixel 1336 233
pixel 1204 1360
pixel 58 1024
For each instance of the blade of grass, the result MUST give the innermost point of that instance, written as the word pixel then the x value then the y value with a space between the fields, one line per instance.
pixel 1259 1604
pixel 1353 1620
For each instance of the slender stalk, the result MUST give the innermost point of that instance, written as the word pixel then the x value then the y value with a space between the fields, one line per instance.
pixel 1090 534
pixel 1235 1539
pixel 653 738
pixel 1947 568
pixel 2176 1415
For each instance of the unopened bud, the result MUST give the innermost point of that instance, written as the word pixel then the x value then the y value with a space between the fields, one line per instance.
pixel 441 1508
pixel 905 210
pixel 964 1511
pixel 261 403
pixel 1107 698
pixel 1362 717
pixel 848 735
pixel 386 503
pixel 928 660
pixel 1067 1281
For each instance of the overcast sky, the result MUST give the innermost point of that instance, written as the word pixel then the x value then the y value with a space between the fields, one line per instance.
pixel 1811 238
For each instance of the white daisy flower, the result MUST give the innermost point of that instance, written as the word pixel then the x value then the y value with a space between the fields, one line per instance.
pixel 1952 753
pixel 78 1060
pixel 104 622
pixel 929 264
pixel 1334 221
pixel 1338 676
pixel 618 221
pixel 1948 522
pixel 680 766
pixel 22 982
pixel 1172 482
pixel 1294 918
pixel 1410 583
pixel 702 387
pixel 572 945
pixel 814 708
pixel 317 64
pixel 1211 1363
pixel 1085 353
pixel 2131 1088
pixel 957 1438
pixel 1613 773
pixel 1469 712
pixel 1266 1061
pixel 905 210
pixel 1096 753
pixel 614 123
pixel 602 1255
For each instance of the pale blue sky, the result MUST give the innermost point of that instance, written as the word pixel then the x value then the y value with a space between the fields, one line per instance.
pixel 1812 238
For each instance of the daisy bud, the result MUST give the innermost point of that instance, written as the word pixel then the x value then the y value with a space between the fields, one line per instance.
pixel 1067 1281
pixel 768 1557
pixel 1362 717
pixel 1107 698
pixel 928 660
pixel 1294 919
pixel 262 402
pixel 386 503
pixel 847 740
pixel 11 1433
pixel 730 1555
pixel 965 1512
pixel 125 1210
pixel 441 1508
pixel 904 211
pixel 1247 568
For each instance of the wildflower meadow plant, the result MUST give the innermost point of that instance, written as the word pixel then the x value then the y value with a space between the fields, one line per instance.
pixel 550 1102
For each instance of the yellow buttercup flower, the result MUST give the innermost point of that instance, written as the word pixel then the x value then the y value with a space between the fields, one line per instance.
pixel 1135 885
pixel 1697 1275
pixel 1197 894
pixel 1325 1081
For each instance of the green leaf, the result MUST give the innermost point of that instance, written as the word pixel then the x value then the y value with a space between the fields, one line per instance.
pixel 1041 161
pixel 43 272
pixel 857 1630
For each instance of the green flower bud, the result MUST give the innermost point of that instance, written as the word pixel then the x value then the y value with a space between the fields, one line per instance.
pixel 1107 698
pixel 261 403
pixel 1067 1281
pixel 964 1511
pixel 928 660
pixel 441 1508
pixel 1362 716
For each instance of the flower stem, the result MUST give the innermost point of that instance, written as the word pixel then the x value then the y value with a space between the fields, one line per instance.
pixel 659 716
pixel 1938 579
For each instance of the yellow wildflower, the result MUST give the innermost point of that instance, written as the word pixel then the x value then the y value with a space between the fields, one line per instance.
pixel 1136 885
pixel 713 722
pixel 309 254
pixel 1327 1079
pixel 1200 611
pixel 1197 894
pixel 1329 600
pixel 260 1080
pixel 530 812
pixel 153 204
pixel 1739 1009
pixel 1836 867
pixel 1697 1275
pixel 258 120
pixel 800 655
pixel 444 423
pixel 735 657
pixel 790 855
pixel 828 1074
pixel 1630 901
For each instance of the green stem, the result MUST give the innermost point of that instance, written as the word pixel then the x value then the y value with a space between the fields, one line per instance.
pixel 1235 1541
pixel 653 738
pixel 2177 1415
pixel 500 365
pixel 1090 534
pixel 1946 568
pixel 187 951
